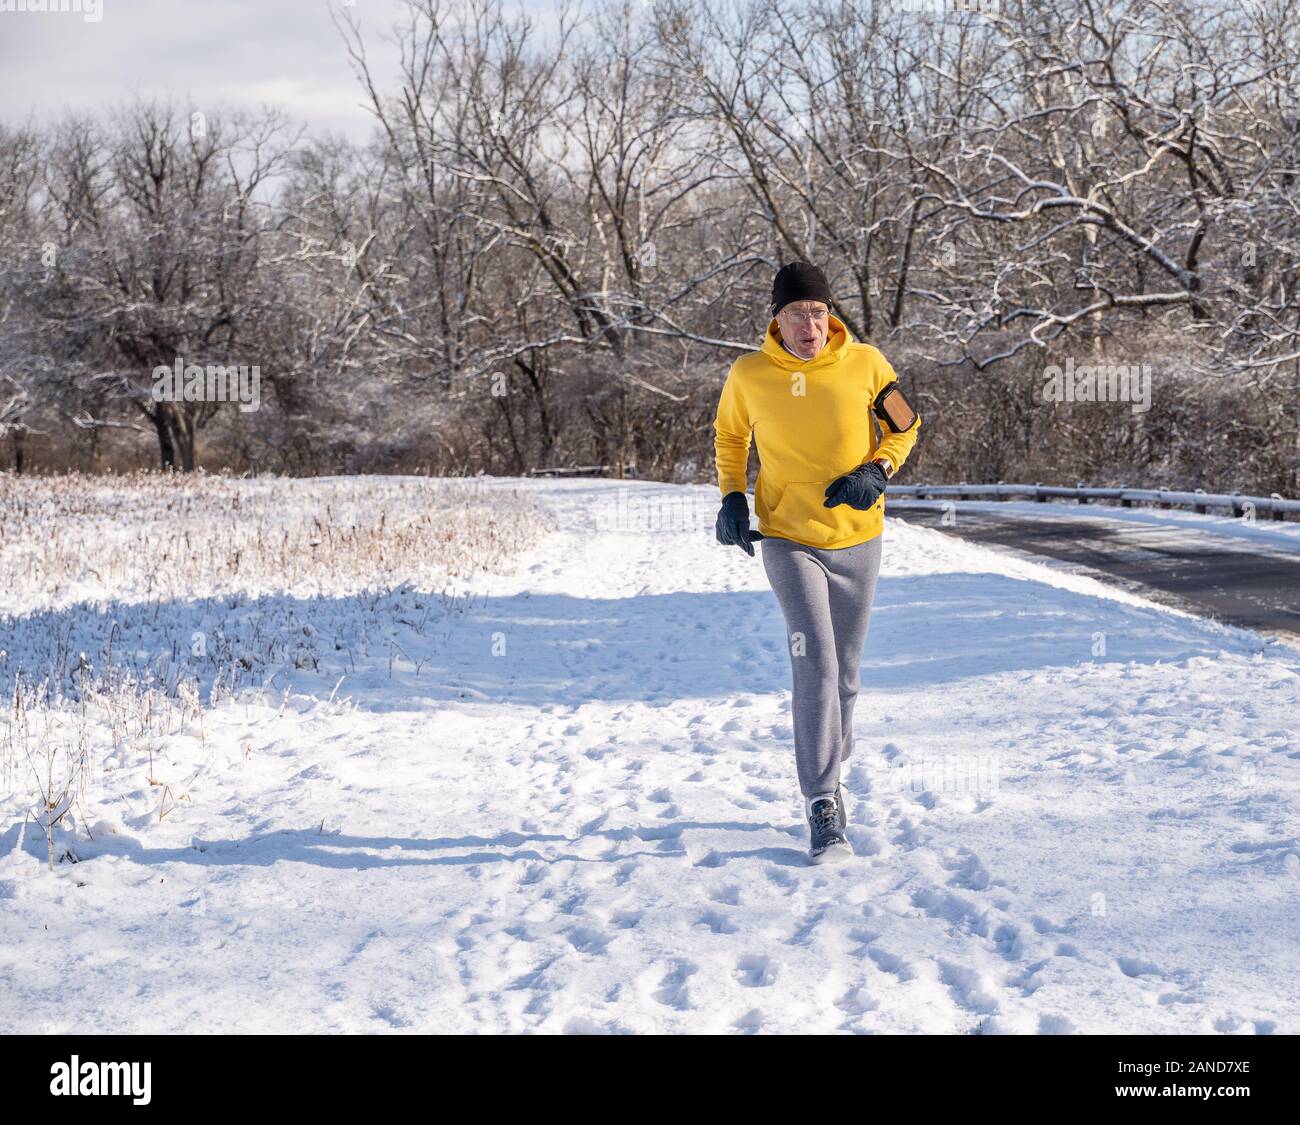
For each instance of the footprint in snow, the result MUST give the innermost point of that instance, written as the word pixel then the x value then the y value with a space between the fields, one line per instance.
pixel 1007 938
pixel 716 922
pixel 910 835
pixel 781 877
pixel 755 971
pixel 673 991
pixel 863 937
pixel 891 963
pixel 951 908
pixel 809 921
pixel 1236 1025
pixel 534 873
pixel 587 940
pixel 970 988
pixel 857 1001
pixel 728 895
pixel 1136 967
pixel 969 873
pixel 572 904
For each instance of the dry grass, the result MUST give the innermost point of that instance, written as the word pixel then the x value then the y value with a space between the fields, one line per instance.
pixel 131 605
pixel 149 535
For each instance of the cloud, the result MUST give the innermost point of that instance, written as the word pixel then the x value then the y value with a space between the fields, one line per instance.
pixel 235 52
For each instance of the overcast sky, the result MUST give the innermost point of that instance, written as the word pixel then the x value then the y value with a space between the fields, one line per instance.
pixel 245 52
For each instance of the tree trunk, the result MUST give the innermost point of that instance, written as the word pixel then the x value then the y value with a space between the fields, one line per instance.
pixel 183 438
pixel 166 448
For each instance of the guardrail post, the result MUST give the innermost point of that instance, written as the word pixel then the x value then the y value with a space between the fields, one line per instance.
pixel 1125 501
pixel 1199 508
pixel 1039 498
pixel 1236 505
pixel 1080 495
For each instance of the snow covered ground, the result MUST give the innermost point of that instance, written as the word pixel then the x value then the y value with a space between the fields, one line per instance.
pixel 562 798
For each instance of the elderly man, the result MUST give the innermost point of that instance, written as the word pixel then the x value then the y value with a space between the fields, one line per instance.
pixel 807 398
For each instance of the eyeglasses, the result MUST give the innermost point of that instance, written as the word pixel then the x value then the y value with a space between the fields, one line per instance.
pixel 801 316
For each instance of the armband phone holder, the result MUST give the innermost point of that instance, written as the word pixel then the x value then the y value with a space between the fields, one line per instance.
pixel 892 408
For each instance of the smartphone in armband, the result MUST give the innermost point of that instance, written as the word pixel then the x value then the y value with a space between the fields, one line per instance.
pixel 893 409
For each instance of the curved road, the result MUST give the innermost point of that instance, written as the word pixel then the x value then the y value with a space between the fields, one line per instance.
pixel 1236 580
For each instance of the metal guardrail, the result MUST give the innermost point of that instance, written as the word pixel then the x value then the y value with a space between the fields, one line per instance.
pixel 1201 501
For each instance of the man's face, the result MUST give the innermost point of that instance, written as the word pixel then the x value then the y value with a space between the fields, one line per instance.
pixel 804 325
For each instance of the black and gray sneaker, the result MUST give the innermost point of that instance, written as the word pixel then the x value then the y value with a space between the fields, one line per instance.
pixel 826 828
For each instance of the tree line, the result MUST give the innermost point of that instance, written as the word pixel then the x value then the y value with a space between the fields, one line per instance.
pixel 557 238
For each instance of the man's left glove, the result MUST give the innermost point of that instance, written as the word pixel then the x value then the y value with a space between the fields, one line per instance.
pixel 859 489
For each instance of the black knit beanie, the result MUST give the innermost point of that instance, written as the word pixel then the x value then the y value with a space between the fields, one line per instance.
pixel 799 281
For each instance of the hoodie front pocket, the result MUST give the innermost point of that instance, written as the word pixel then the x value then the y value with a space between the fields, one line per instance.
pixel 766 498
pixel 801 513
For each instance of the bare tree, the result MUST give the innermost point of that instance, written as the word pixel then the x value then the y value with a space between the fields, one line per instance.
pixel 162 229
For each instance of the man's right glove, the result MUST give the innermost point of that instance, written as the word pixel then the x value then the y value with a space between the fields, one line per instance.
pixel 733 523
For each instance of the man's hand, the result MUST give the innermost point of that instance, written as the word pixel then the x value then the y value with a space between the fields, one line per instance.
pixel 733 523
pixel 859 489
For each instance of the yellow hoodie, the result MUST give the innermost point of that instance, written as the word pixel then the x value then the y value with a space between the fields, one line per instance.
pixel 812 420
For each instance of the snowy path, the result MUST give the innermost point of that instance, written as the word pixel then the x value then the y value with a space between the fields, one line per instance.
pixel 580 814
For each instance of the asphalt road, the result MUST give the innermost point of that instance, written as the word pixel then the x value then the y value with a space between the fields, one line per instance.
pixel 1232 580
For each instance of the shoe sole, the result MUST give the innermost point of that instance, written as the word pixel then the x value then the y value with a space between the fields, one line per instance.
pixel 836 853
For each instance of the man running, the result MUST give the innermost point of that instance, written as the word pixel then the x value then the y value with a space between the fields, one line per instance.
pixel 807 399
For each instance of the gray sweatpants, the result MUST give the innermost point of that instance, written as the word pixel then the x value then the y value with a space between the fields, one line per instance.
pixel 826 597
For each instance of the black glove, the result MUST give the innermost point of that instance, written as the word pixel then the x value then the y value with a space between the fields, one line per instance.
pixel 733 523
pixel 858 489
